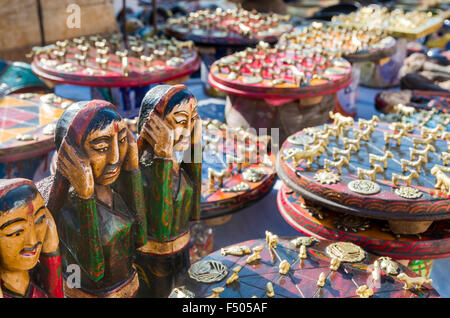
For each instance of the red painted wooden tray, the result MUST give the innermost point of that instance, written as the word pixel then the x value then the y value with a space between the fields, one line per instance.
pixel 386 204
pixel 335 75
pixel 371 235
pixel 32 115
pixel 70 72
pixel 211 28
pixel 215 201
pixel 301 280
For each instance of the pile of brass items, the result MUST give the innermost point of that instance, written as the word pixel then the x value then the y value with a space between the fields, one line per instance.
pixel 335 39
pixel 395 22
pixel 94 54
pixel 223 23
pixel 281 65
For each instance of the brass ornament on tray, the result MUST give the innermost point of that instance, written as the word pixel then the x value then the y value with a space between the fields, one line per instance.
pixel 208 272
pixel 300 140
pixel 346 252
pixel 304 241
pixel 236 251
pixel 408 192
pixel 254 174
pixel 241 187
pixel 351 223
pixel 181 292
pixel 327 177
pixel 413 282
pixel 366 187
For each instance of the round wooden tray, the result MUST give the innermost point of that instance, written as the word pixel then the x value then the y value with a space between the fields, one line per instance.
pixel 215 201
pixel 301 280
pixel 372 235
pixel 32 115
pixel 52 69
pixel 338 76
pixel 386 204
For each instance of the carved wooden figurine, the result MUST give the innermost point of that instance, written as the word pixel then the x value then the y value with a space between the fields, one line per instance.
pixel 170 151
pixel 30 263
pixel 96 198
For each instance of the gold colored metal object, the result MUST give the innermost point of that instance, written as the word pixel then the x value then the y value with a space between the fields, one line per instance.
pixel 216 292
pixel 407 179
pixel 336 164
pixel 413 282
pixel 234 277
pixel 327 177
pixel 388 265
pixel 346 252
pixel 408 192
pixel 236 251
pixel 351 223
pixel 321 280
pixel 383 159
pixel 269 290
pixel 304 241
pixel 364 292
pixel 241 187
pixel 213 175
pixel 181 292
pixel 442 180
pixel 300 140
pixel 334 264
pixel 254 174
pixel 366 187
pixel 284 267
pixel 26 137
pixel 272 240
pixel 256 256
pixel 208 271
pixel 302 254
pixel 417 165
pixel 423 152
pixel 372 173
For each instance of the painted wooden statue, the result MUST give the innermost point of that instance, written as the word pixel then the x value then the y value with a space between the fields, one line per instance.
pixel 30 262
pixel 170 155
pixel 96 197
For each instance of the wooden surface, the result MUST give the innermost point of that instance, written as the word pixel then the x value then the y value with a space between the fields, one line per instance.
pixel 302 216
pixel 433 205
pixel 300 281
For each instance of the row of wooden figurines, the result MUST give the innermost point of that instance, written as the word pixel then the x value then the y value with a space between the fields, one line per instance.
pixel 114 219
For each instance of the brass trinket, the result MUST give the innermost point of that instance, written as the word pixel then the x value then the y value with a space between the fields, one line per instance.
pixel 346 252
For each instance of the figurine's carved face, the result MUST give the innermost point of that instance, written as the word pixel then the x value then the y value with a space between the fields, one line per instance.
pixel 181 120
pixel 106 149
pixel 22 232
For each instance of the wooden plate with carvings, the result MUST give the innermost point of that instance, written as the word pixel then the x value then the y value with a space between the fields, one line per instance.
pixel 308 277
pixel 372 235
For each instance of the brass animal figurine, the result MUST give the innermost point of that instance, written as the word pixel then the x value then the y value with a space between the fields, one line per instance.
pixel 336 164
pixel 388 265
pixel 370 173
pixel 356 142
pixel 415 164
pixel 271 239
pixel 364 123
pixel 364 134
pixel 384 159
pixel 216 292
pixel 302 253
pixel 334 264
pixel 345 153
pixel 321 280
pixel 423 152
pixel 330 130
pixel 284 267
pixel 445 157
pixel 341 122
pixel 432 131
pixel 407 179
pixel 397 137
pixel 423 141
pixel 404 110
pixel 102 62
pixel 442 180
pixel 236 251
pixel 256 256
pixel 234 277
pixel 213 175
pixel 402 126
pixel 309 155
pixel 269 290
pixel 413 282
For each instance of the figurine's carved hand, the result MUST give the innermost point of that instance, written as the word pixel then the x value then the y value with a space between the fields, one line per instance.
pixel 131 161
pixel 77 170
pixel 159 136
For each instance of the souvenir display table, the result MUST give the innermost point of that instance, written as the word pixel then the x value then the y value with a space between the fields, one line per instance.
pixel 355 45
pixel 221 32
pixel 117 72
pixel 301 267
pixel 279 87
pixel 26 132
pixel 404 26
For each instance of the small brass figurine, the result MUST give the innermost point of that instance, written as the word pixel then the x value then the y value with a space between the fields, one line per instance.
pixel 336 164
pixel 284 267
pixel 356 142
pixel 334 264
pixel 376 271
pixel 423 152
pixel 370 173
pixel 269 290
pixel 413 282
pixel 308 155
pixel 388 265
pixel 256 256
pixel 407 179
pixel 423 141
pixel 442 180
pixel 213 175
pixel 216 292
pixel 364 292
pixel 271 239
pixel 321 280
pixel 396 137
pixel 414 164
pixel 302 252
pixel 234 277
pixel 383 159
pixel 347 152
pixel 341 122
pixel 236 251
